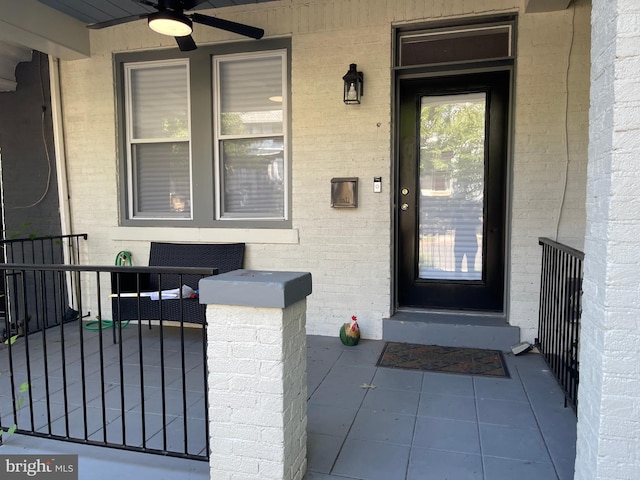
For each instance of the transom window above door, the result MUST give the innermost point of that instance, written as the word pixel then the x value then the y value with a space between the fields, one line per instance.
pixel 449 44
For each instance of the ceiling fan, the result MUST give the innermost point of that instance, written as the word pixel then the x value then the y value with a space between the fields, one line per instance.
pixel 171 19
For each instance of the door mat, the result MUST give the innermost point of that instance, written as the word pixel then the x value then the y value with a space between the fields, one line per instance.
pixel 431 358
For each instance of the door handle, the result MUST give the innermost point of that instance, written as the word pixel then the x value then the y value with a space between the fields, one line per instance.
pixel 404 207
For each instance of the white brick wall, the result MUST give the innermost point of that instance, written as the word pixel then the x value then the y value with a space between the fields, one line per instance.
pixel 349 251
pixel 540 155
pixel 609 394
pixel 257 392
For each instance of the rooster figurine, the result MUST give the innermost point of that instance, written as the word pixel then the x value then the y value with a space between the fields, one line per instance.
pixel 350 332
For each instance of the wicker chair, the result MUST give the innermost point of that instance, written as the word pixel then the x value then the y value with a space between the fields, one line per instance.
pixel 224 257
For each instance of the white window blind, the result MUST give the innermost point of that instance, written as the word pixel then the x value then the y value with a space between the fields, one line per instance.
pixel 158 138
pixel 250 140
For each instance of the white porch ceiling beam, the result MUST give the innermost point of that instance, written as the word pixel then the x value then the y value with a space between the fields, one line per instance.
pixel 535 6
pixel 38 27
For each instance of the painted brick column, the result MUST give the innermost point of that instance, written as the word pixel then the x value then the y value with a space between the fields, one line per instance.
pixel 608 443
pixel 257 374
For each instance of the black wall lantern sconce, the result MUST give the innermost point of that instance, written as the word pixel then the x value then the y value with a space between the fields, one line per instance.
pixel 353 85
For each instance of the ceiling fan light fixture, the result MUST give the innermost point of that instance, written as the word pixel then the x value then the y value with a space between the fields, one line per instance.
pixel 170 23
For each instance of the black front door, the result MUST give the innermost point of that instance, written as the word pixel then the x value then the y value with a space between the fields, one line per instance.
pixel 451 192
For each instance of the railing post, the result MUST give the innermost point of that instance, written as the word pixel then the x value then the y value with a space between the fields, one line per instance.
pixel 257 388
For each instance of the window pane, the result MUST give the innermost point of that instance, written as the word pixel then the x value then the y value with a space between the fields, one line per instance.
pixel 253 178
pixel 251 96
pixel 159 102
pixel 161 180
pixel 455 45
pixel 452 139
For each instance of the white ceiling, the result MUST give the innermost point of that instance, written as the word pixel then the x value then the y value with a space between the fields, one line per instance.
pixel 101 10
pixel 58 27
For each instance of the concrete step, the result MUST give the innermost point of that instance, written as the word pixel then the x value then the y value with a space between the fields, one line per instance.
pixel 451 329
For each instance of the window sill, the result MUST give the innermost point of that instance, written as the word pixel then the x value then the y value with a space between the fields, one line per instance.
pixel 206 235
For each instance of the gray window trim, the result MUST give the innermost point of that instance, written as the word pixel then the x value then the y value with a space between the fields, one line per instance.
pixel 202 134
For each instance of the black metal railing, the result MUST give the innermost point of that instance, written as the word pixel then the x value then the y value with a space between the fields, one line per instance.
pixel 559 315
pixel 51 250
pixel 126 371
pixel 47 250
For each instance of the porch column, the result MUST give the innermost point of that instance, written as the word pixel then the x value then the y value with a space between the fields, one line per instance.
pixel 257 366
pixel 608 444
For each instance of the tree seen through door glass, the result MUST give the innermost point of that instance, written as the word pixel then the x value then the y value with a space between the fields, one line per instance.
pixel 452 154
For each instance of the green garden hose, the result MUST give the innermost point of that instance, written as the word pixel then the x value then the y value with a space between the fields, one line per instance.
pixel 122 258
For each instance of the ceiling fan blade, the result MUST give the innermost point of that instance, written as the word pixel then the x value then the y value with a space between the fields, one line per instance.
pixel 189 4
pixel 117 21
pixel 148 3
pixel 228 25
pixel 178 5
pixel 186 43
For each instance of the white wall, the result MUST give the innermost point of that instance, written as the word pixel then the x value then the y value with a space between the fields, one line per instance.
pixel 548 153
pixel 348 252
pixel 608 417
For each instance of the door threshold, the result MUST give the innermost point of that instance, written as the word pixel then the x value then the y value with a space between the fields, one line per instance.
pixel 452 317
pixel 451 329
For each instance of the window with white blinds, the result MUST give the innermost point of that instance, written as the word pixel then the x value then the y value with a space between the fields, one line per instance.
pixel 158 140
pixel 250 136
pixel 204 136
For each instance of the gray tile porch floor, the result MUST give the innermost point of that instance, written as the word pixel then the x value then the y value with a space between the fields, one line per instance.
pixel 111 385
pixel 416 426
pixel 411 426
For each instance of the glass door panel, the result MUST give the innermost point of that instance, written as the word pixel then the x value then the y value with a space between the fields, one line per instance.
pixel 452 153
